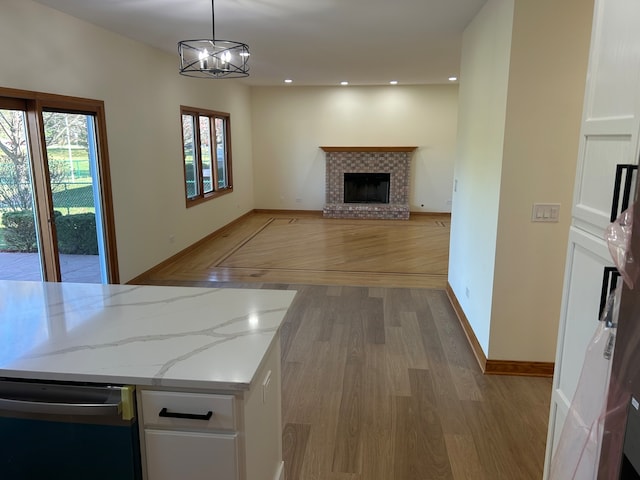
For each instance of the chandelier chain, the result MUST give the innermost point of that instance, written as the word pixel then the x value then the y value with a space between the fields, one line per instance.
pixel 213 22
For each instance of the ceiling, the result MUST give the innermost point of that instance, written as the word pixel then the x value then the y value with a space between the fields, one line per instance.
pixel 312 42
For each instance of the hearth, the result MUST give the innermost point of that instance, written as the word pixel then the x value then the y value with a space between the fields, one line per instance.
pixel 366 163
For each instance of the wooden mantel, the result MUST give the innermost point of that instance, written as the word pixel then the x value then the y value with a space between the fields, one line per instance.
pixel 368 149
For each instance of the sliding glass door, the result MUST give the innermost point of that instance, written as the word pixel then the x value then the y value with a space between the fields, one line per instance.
pixel 19 245
pixel 71 158
pixel 56 216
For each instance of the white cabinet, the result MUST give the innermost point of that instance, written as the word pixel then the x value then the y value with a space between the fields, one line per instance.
pixel 190 455
pixel 608 143
pixel 587 258
pixel 233 433
pixel 189 436
pixel 189 410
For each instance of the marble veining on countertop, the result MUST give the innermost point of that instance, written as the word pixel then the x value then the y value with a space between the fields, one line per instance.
pixel 145 335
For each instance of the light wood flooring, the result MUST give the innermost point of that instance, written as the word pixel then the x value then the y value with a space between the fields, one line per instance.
pixel 305 248
pixel 379 383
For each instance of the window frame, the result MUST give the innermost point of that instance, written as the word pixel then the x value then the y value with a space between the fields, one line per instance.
pixel 196 114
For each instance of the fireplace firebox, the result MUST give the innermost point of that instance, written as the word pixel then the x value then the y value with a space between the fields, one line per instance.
pixel 366 187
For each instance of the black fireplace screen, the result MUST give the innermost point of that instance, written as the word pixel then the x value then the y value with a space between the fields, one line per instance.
pixel 366 187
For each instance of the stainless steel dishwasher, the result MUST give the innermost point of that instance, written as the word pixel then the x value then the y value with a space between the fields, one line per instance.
pixel 70 431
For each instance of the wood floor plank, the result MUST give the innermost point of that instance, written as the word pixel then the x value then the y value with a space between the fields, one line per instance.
pixel 379 416
pixel 413 349
pixel 374 322
pixel 307 332
pixel 396 301
pixel 463 457
pixel 292 382
pixel 434 452
pixel 420 447
pixel 442 377
pixel 347 454
pixel 318 459
pixel 489 436
pixel 295 437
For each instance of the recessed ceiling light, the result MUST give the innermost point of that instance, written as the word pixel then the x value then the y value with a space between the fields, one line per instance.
pixel 344 83
pixel 453 79
pixel 288 80
pixel 393 82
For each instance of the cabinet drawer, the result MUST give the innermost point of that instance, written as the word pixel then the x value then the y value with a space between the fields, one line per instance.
pixel 191 455
pixel 188 410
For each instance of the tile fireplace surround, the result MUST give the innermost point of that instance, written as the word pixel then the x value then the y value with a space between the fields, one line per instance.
pixel 393 160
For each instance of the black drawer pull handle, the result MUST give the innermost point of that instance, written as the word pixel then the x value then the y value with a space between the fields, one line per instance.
pixel 618 207
pixel 191 416
pixel 609 283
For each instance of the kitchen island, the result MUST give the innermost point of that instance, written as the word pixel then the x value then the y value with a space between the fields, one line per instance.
pixel 205 364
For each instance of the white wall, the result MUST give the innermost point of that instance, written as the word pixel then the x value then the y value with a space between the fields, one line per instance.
pixel 522 84
pixel 291 123
pixel 47 51
pixel 544 109
pixel 478 166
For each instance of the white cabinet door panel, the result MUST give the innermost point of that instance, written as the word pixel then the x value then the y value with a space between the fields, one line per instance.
pixel 557 418
pixel 173 455
pixel 594 190
pixel 614 70
pixel 611 117
pixel 587 258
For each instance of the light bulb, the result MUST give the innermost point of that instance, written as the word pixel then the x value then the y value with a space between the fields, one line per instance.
pixel 204 59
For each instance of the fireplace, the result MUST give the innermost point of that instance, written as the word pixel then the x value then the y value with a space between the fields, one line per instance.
pixel 366 187
pixel 385 170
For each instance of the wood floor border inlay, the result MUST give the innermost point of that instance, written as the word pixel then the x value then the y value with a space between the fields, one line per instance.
pixel 410 254
pixel 243 243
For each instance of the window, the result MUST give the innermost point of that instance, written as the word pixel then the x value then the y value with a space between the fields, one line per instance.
pixel 207 154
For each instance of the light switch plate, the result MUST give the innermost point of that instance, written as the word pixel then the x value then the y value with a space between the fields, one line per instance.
pixel 545 212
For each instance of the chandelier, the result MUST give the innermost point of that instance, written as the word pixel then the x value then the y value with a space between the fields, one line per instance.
pixel 213 58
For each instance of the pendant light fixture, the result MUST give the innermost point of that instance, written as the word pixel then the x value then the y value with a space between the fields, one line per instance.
pixel 213 58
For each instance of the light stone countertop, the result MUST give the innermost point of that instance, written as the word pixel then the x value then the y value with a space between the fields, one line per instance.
pixel 181 337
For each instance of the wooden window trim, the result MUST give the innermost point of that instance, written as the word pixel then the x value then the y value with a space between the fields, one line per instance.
pixel 216 192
